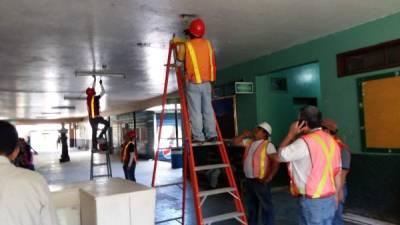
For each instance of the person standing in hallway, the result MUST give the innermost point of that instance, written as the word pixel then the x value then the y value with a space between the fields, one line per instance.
pixel 129 156
pixel 331 127
pixel 93 106
pixel 260 164
pixel 313 158
pixel 64 144
pixel 199 57
pixel 25 198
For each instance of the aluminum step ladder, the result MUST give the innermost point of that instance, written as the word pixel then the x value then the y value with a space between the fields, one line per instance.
pixel 103 157
pixel 189 164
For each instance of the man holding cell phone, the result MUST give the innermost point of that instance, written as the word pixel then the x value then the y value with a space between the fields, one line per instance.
pixel 314 166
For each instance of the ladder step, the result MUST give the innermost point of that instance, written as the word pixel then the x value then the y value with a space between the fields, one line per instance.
pixel 201 144
pixel 101 175
pixel 215 191
pixel 222 217
pixel 210 167
pixel 99 164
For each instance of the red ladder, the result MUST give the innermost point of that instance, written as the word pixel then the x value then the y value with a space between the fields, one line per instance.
pixel 199 197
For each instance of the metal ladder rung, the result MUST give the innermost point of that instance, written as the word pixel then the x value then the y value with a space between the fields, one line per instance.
pixel 210 167
pixel 222 217
pixel 100 164
pixel 215 191
pixel 201 144
pixel 101 175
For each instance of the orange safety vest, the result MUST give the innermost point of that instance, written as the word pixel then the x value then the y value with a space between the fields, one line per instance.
pixel 325 160
pixel 93 106
pixel 260 161
pixel 199 61
pixel 125 153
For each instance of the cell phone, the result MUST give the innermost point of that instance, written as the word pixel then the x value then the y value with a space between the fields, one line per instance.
pixel 301 121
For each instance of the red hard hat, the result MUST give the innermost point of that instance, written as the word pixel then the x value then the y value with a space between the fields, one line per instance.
pixel 131 134
pixel 90 91
pixel 197 28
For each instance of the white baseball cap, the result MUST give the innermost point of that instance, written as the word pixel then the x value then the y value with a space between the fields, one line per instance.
pixel 266 127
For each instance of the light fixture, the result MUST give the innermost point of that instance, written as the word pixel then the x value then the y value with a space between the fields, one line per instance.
pixel 66 97
pixel 188 15
pixel 69 107
pixel 143 44
pixel 102 73
pixel 51 113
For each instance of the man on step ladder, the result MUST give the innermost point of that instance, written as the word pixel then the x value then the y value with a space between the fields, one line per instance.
pixel 93 106
pixel 198 54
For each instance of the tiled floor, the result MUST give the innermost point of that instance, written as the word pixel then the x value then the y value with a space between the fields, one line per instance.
pixel 169 199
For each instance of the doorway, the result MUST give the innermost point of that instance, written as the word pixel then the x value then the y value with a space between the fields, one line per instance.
pixel 281 94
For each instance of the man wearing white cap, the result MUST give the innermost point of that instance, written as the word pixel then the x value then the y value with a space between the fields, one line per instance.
pixel 260 164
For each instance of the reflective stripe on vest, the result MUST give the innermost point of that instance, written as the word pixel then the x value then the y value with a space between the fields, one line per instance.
pixel 328 165
pixel 195 64
pixel 210 53
pixel 92 113
pixel 325 157
pixel 259 160
pixel 126 153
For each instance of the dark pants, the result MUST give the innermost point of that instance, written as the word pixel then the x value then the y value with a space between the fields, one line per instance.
pixel 130 172
pixel 95 125
pixel 258 195
pixel 338 219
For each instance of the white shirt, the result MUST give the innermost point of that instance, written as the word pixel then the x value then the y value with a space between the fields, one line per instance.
pixel 24 197
pixel 300 161
pixel 248 161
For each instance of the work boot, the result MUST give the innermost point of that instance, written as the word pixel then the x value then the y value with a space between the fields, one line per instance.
pixel 212 139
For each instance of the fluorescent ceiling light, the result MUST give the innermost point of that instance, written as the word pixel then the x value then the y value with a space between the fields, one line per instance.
pixel 70 107
pixel 101 73
pixel 169 107
pixel 74 98
pixel 51 113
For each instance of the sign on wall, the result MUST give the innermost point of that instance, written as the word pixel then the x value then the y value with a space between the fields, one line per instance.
pixel 244 88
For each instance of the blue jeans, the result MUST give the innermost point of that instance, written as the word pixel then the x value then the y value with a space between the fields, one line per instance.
pixel 259 195
pixel 130 172
pixel 201 112
pixel 318 211
pixel 338 219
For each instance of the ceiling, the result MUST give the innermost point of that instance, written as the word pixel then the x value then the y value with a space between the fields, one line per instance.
pixel 43 43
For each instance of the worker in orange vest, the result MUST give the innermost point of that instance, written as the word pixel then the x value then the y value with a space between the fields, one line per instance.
pixel 93 106
pixel 313 158
pixel 199 57
pixel 129 156
pixel 331 127
pixel 260 164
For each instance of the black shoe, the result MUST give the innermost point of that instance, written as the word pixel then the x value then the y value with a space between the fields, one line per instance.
pixel 212 139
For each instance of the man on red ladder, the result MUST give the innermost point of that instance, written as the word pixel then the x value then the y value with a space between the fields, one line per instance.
pixel 93 106
pixel 129 156
pixel 199 58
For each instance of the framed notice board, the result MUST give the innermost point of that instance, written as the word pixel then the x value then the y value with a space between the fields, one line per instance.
pixel 380 113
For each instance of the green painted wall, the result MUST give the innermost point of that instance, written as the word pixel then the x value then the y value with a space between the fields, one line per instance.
pixel 276 106
pixel 338 95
